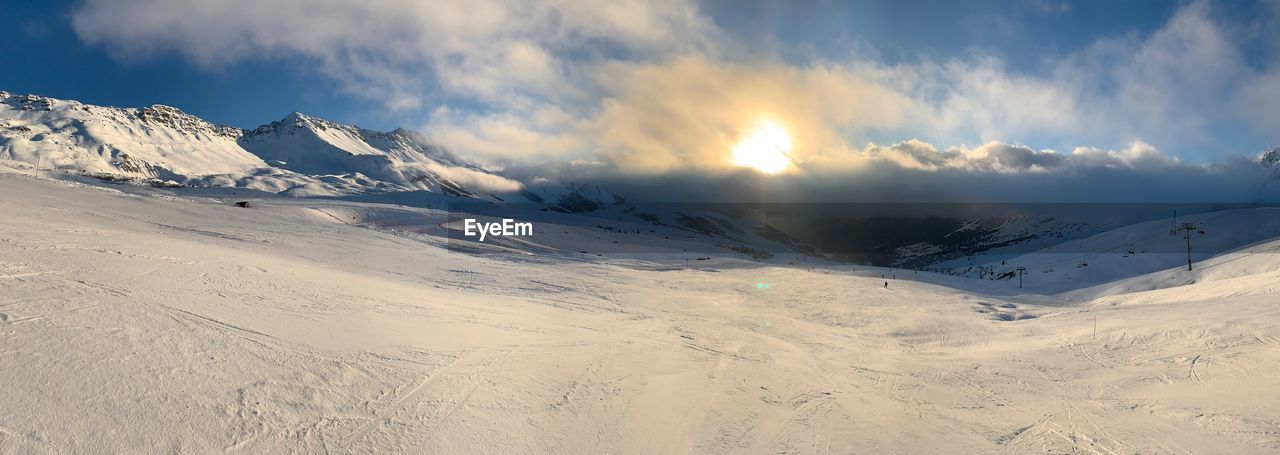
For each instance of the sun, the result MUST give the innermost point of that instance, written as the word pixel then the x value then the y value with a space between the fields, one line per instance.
pixel 764 148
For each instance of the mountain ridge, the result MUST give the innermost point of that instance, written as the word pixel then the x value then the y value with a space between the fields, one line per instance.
pixel 298 154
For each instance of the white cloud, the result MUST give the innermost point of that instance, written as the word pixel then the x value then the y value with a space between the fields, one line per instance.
pixel 647 87
pixel 1259 102
pixel 997 157
pixel 471 178
pixel 497 139
pixel 394 51
pixel 1053 7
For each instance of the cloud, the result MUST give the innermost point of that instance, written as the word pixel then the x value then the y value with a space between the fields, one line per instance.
pixel 1171 88
pixel 472 178
pixel 652 87
pixel 996 157
pixel 916 171
pixel 1051 7
pixel 498 139
pixel 502 52
pixel 688 111
pixel 1259 101
pixel 1176 81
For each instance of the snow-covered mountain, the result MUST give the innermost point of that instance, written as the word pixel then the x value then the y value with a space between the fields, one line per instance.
pixel 314 146
pixel 573 197
pixel 298 155
pixel 157 141
pixel 1270 158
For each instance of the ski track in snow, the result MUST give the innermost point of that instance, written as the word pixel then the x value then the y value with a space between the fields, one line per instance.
pixel 182 325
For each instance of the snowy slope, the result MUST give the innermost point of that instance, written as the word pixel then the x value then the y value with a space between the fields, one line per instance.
pixel 1130 251
pixel 1250 271
pixel 170 321
pixel 1148 256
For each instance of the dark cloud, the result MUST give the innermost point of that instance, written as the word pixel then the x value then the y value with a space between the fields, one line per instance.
pixel 915 171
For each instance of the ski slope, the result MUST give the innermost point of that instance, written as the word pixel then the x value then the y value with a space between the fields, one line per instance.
pixel 1098 261
pixel 139 320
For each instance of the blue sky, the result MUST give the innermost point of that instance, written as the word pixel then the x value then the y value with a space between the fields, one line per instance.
pixel 55 62
pixel 664 85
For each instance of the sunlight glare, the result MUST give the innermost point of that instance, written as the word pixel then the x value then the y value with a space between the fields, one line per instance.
pixel 764 148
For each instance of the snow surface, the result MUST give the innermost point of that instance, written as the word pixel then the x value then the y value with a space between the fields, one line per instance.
pixel 1140 249
pixel 139 320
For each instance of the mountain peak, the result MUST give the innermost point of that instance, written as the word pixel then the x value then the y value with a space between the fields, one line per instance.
pixel 27 102
pixel 297 119
pixel 1270 158
pixel 300 120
